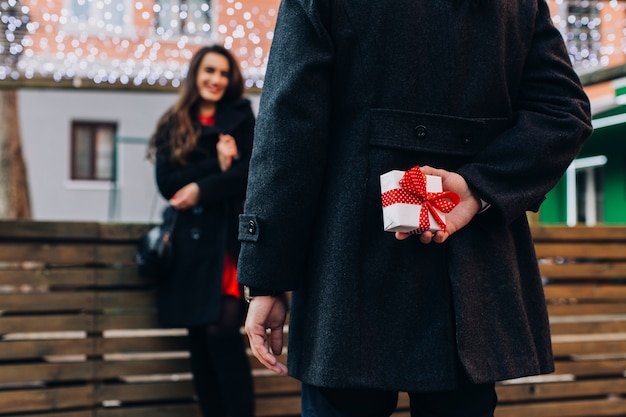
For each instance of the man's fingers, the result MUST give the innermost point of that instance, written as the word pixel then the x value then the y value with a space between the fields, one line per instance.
pixel 260 350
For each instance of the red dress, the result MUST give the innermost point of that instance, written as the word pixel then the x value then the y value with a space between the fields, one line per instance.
pixel 229 276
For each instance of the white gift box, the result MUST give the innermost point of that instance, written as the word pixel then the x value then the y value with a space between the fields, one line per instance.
pixel 401 217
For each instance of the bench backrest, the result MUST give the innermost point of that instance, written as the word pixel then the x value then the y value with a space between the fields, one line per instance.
pixel 80 339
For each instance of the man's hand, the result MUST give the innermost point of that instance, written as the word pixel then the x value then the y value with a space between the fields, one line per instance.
pixel 267 312
pixel 460 215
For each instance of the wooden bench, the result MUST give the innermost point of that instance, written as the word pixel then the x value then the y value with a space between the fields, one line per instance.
pixel 80 339
pixel 79 336
pixel 585 286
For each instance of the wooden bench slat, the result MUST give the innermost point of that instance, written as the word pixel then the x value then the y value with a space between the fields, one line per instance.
pixel 615 367
pixel 162 410
pixel 47 323
pixel 590 327
pixel 592 308
pixel 48 302
pixel 588 348
pixel 59 254
pixel 72 371
pixel 553 390
pixel 45 399
pixel 158 391
pixel 586 292
pixel 593 271
pixel 124 368
pixel 581 250
pixel 37 349
pixel 587 408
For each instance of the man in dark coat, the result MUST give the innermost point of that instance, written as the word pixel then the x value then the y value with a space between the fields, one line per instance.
pixel 481 90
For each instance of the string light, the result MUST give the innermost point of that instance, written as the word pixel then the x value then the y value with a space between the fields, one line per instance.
pixel 151 41
pixel 116 41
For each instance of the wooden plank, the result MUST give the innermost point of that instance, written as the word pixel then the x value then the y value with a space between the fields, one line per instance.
pixel 57 254
pixel 143 320
pixel 45 399
pixel 116 254
pixel 48 302
pixel 158 410
pixel 592 367
pixel 80 413
pixel 584 408
pixel 121 277
pixel 66 371
pixel 123 231
pixel 44 278
pixel 145 392
pixel 582 233
pixel 142 344
pixel 588 326
pixel 272 384
pixel 278 406
pixel 586 292
pixel 578 309
pixel 147 366
pixel 560 390
pixel 36 349
pixel 596 271
pixel 26 229
pixel 47 323
pixel 581 250
pixel 588 348
pixel 124 300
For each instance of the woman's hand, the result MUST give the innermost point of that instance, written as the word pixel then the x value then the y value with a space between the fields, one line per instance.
pixel 187 197
pixel 460 215
pixel 226 151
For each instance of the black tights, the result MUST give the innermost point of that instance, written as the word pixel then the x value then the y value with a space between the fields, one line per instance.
pixel 220 367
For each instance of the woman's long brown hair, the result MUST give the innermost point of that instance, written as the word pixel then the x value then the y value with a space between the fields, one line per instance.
pixel 183 135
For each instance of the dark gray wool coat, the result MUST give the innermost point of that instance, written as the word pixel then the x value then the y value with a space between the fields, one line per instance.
pixel 356 88
pixel 192 295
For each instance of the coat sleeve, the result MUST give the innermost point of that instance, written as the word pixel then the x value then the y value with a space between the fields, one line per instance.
pixel 290 150
pixel 552 120
pixel 215 185
pixel 231 184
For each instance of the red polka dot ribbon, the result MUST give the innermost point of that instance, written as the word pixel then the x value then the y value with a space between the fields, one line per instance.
pixel 413 191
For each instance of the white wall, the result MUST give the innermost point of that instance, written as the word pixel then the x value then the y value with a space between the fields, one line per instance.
pixel 45 123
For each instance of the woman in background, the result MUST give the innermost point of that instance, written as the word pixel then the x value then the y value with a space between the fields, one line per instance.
pixel 202 148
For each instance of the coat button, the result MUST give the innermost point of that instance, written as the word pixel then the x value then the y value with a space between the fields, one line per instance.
pixel 252 227
pixel 195 233
pixel 421 131
pixel 466 141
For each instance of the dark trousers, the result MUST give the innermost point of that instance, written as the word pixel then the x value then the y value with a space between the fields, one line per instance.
pixel 221 372
pixel 469 400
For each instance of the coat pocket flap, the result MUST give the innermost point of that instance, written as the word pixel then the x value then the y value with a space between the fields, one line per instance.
pixel 432 133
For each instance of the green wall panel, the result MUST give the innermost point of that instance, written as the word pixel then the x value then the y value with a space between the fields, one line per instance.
pixel 610 142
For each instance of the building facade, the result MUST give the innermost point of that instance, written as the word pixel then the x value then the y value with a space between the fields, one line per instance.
pixel 94 76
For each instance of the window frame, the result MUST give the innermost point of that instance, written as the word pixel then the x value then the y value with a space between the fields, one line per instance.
pixel 165 32
pixel 93 127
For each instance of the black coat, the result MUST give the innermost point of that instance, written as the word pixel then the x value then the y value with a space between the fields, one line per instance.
pixel 191 296
pixel 356 88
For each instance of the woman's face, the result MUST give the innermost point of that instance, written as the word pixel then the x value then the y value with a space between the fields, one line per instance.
pixel 212 78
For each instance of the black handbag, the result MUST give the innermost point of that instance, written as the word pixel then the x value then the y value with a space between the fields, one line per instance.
pixel 154 254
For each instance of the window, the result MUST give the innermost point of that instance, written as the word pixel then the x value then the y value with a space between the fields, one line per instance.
pixel 183 17
pixel 585 191
pixel 582 34
pixel 110 15
pixel 93 151
pixel 589 193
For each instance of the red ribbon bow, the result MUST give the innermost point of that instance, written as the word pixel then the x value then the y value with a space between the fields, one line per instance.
pixel 413 191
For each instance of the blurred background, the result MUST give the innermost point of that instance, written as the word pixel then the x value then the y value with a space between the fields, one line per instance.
pixel 82 83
